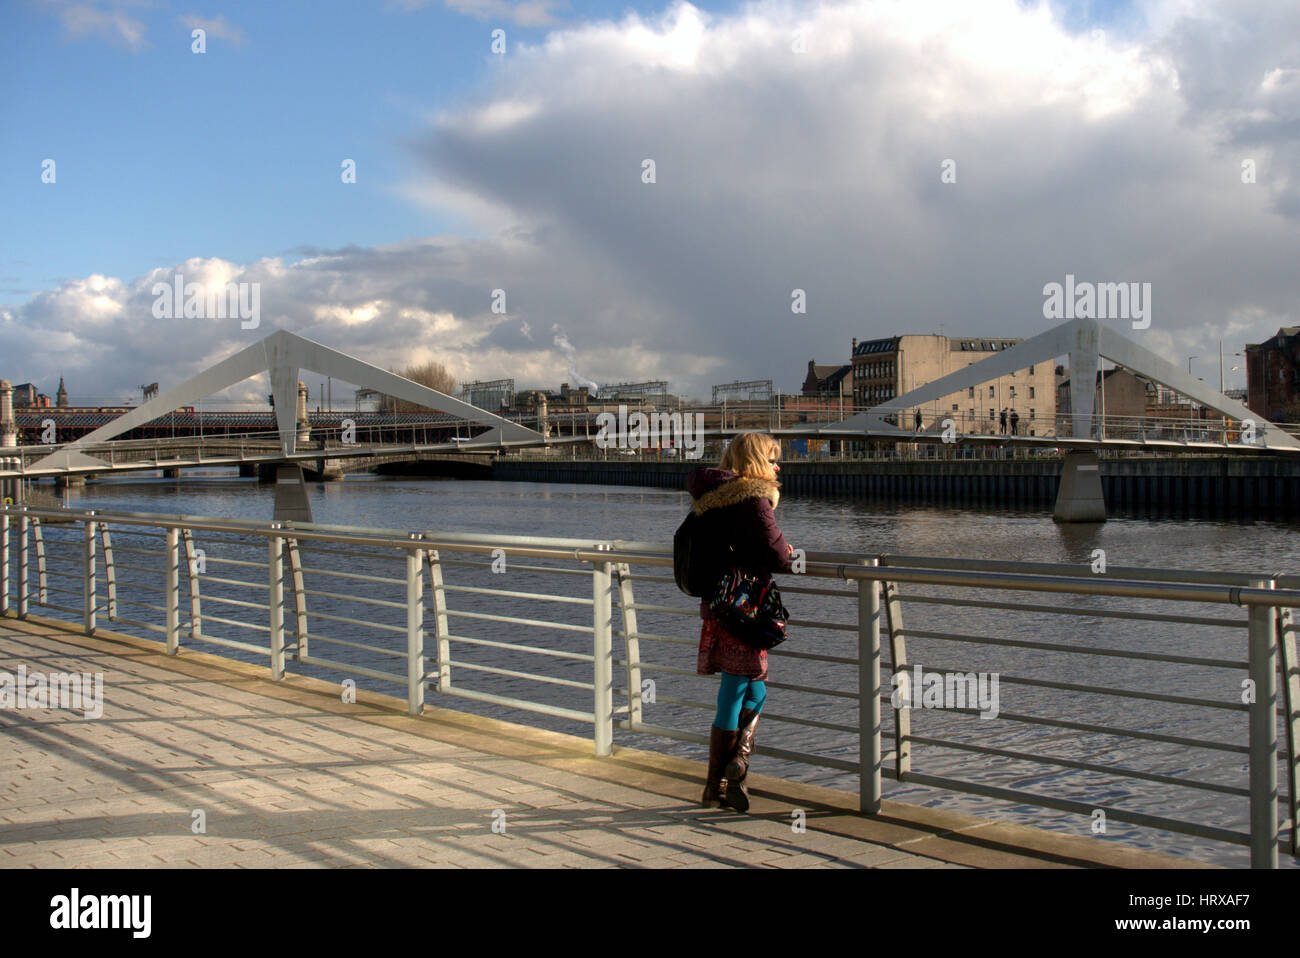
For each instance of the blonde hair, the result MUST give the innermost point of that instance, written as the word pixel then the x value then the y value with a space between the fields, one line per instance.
pixel 748 455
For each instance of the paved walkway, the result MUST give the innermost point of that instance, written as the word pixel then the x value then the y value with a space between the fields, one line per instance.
pixel 287 775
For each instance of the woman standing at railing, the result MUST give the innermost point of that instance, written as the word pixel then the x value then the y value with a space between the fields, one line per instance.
pixel 737 500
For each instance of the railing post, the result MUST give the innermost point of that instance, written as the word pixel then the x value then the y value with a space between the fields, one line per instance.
pixel 440 627
pixel 4 564
pixel 172 598
pixel 22 566
pixel 414 631
pixel 300 650
pixel 869 762
pixel 42 582
pixel 1263 734
pixel 110 570
pixel 898 663
pixel 631 644
pixel 1287 628
pixel 88 589
pixel 602 670
pixel 192 578
pixel 275 562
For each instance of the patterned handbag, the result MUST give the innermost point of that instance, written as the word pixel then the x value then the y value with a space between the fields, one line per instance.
pixel 750 608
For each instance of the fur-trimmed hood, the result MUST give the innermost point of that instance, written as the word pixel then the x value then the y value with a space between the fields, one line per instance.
pixel 713 488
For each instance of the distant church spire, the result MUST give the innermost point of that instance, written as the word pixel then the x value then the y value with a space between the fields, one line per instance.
pixel 61 397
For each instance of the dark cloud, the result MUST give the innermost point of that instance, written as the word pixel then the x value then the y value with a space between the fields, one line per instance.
pixel 1111 158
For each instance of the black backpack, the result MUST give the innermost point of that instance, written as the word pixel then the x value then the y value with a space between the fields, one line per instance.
pixel 696 563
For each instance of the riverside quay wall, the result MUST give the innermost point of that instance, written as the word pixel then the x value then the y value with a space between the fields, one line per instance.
pixel 1201 486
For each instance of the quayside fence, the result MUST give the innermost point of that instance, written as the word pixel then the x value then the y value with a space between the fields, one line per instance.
pixel 613 646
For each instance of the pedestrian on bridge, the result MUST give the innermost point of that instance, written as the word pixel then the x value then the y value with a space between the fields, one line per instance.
pixel 737 499
pixel 1002 421
pixel 1015 422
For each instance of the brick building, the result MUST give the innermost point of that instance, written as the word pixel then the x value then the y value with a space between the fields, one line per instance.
pixel 1273 376
pixel 829 381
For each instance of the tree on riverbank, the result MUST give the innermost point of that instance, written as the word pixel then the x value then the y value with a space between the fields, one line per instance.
pixel 433 375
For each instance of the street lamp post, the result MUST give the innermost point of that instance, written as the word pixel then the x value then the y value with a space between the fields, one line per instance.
pixel 1234 369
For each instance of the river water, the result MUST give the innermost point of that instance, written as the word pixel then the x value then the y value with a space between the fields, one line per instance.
pixel 814 523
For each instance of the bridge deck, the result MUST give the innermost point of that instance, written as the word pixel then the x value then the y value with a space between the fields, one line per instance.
pixel 287 774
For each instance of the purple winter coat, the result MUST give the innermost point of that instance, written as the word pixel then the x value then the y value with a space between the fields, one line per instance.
pixel 738 514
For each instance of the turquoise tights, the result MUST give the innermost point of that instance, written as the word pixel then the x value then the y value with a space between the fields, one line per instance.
pixel 734 693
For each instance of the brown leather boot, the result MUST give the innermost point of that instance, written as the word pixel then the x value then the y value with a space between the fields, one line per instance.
pixel 722 745
pixel 737 794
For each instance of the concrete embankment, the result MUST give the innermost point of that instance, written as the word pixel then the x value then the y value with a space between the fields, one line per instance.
pixel 1194 486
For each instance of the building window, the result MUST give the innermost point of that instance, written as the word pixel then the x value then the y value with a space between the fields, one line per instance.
pixel 1031 370
pixel 1031 392
pixel 972 392
pixel 990 392
pixel 1013 392
pixel 1031 414
pixel 954 407
pixel 990 415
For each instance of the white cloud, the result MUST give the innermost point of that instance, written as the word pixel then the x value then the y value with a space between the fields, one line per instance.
pixel 217 26
pixel 105 19
pixel 524 13
pixel 1113 157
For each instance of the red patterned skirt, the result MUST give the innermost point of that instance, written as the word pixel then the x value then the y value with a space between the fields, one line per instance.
pixel 720 651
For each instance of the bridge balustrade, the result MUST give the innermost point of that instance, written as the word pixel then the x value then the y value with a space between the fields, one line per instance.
pixel 594 632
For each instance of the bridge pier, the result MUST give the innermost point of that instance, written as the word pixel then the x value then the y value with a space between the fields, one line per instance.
pixel 331 470
pixel 1079 498
pixel 291 504
pixel 8 425
pixel 11 490
pixel 247 470
pixel 302 422
pixel 171 473
pixel 68 482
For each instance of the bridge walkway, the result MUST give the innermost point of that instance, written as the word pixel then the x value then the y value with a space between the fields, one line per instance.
pixel 289 775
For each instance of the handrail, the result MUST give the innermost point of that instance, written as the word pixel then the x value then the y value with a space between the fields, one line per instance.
pixel 397 626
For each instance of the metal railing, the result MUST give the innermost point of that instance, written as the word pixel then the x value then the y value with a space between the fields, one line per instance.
pixel 736 417
pixel 393 607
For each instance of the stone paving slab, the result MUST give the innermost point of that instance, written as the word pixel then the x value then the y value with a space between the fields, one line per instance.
pixel 287 775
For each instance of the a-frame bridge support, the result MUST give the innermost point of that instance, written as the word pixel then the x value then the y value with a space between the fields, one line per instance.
pixel 1086 342
pixel 283 355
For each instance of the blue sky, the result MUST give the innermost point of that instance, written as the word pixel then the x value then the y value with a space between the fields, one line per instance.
pixel 162 154
pixel 1099 138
